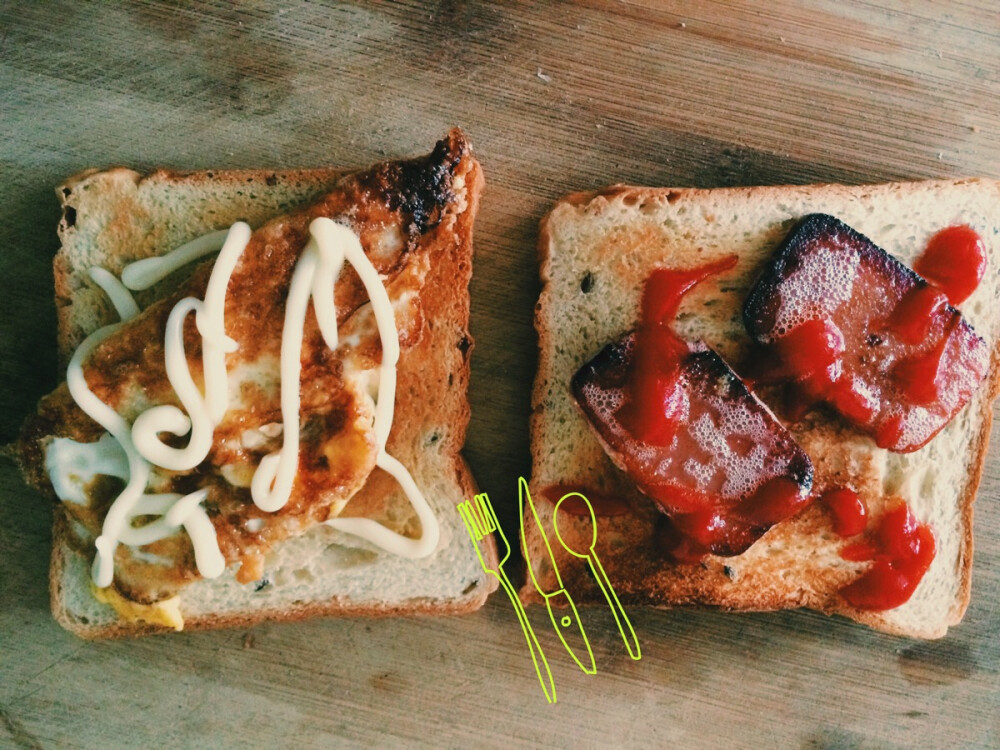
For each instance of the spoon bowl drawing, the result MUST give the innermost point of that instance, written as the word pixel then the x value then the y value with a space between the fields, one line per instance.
pixel 571 543
pixel 569 540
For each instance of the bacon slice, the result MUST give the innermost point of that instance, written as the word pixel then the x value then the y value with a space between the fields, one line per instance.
pixel 730 471
pixel 852 327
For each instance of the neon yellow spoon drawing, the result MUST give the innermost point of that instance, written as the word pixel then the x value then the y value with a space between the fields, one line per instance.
pixel 590 555
pixel 559 596
pixel 481 520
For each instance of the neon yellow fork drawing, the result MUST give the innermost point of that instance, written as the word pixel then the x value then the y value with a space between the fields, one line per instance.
pixel 480 520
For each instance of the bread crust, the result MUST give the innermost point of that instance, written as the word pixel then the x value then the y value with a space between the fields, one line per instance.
pixel 680 227
pixel 432 411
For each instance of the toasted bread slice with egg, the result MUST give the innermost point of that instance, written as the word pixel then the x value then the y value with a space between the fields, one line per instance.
pixel 597 249
pixel 320 551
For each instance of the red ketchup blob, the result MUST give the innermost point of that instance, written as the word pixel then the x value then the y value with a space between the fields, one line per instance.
pixel 813 351
pixel 902 550
pixel 602 503
pixel 954 261
pixel 677 419
pixel 921 378
pixel 847 509
pixel 912 317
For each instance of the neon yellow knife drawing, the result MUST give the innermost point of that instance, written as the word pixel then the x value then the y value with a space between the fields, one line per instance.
pixel 568 622
pixel 480 519
pixel 590 555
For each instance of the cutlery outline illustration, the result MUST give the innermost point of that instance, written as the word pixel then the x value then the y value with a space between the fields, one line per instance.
pixel 600 576
pixel 559 596
pixel 480 520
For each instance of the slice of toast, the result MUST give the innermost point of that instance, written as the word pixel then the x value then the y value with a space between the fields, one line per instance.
pixel 596 251
pixel 415 222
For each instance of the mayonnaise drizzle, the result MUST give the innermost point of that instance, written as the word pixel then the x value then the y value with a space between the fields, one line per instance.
pixel 142 274
pixel 72 466
pixel 314 277
pixel 142 446
pixel 131 502
pixel 123 301
pixel 203 413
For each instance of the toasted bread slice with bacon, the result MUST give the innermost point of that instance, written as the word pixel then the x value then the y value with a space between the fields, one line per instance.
pixel 412 222
pixel 597 250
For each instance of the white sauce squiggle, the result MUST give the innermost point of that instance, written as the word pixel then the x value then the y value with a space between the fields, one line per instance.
pixel 121 298
pixel 117 527
pixel 72 466
pixel 314 278
pixel 142 274
pixel 203 413
pixel 139 445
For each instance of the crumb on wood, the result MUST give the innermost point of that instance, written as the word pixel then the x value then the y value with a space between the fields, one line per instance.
pixel 543 76
pixel 248 641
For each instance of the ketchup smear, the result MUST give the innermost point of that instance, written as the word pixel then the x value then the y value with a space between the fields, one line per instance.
pixel 685 428
pixel 912 317
pixel 894 359
pixel 954 261
pixel 848 510
pixel 658 404
pixel 902 550
pixel 920 378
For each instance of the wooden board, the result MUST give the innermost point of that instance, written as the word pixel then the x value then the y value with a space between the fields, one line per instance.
pixel 556 99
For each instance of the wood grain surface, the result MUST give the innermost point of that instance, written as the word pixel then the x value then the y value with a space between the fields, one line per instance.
pixel 557 98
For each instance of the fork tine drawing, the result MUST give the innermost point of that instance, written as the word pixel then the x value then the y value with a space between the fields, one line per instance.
pixel 493 516
pixel 480 519
pixel 486 512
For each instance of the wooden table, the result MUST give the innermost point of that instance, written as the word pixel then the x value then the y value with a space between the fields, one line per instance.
pixel 557 98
